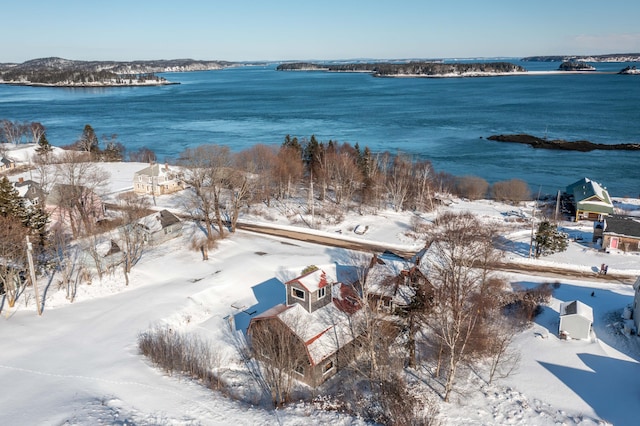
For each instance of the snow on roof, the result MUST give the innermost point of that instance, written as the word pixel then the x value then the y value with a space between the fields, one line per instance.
pixel 385 278
pixel 576 307
pixel 106 248
pixel 586 188
pixel 158 221
pixel 316 279
pixel 323 332
pixel 154 170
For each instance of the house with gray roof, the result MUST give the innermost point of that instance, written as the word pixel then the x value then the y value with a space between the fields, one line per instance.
pixel 621 233
pixel 159 227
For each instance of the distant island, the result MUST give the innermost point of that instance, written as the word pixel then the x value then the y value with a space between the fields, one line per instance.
pixel 59 72
pixel 576 66
pixel 411 69
pixel 559 144
pixel 611 57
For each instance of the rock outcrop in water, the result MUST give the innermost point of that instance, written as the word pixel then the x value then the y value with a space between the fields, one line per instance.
pixel 559 144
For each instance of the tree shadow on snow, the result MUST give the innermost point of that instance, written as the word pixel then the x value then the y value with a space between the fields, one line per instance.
pixel 604 303
pixel 516 247
pixel 611 389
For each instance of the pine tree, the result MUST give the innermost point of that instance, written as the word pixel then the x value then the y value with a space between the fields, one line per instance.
pixel 10 202
pixel 37 221
pixel 549 240
pixel 44 147
pixel 88 140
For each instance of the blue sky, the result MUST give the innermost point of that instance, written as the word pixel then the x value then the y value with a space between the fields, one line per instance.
pixel 244 30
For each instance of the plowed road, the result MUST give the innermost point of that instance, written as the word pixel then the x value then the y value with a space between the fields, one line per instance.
pixel 551 272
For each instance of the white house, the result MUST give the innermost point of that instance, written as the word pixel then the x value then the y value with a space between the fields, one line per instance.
pixel 157 179
pixel 576 320
pixel 160 226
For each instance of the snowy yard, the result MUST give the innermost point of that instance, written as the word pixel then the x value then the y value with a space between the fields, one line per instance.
pixel 78 364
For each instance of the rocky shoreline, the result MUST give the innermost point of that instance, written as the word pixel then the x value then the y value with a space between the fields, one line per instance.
pixel 559 144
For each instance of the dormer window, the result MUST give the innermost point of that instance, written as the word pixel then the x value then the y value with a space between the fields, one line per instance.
pixel 321 292
pixel 297 293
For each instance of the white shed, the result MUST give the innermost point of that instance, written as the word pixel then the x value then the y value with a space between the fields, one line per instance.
pixel 576 320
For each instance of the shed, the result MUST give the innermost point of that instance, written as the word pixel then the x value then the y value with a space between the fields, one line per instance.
pixel 576 320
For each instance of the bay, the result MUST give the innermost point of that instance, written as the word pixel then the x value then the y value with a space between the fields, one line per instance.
pixel 444 120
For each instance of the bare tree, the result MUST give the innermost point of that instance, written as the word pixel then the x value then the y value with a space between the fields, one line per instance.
pixel 423 182
pixel 287 171
pixel 281 353
pixel 143 155
pixel 13 257
pixel 207 168
pixel 258 161
pixel 503 358
pixel 36 130
pixel 77 193
pixel 458 262
pixel 399 181
pixel 344 175
pixel 240 187
pixel 11 131
pixel 133 207
pixel 514 191
pixel 471 187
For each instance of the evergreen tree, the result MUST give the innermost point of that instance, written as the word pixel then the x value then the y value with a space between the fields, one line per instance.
pixel 291 142
pixel 89 140
pixel 10 202
pixel 38 221
pixel 44 147
pixel 549 240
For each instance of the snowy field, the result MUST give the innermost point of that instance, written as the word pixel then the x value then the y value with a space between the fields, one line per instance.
pixel 78 363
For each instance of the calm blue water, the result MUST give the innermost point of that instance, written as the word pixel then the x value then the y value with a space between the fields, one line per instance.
pixel 439 119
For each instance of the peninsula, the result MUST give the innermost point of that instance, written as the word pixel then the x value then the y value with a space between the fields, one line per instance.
pixel 559 144
pixel 59 72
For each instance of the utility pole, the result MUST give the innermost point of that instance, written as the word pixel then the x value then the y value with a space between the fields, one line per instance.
pixel 32 274
pixel 533 221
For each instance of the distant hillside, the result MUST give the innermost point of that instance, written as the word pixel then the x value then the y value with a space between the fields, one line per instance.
pixel 65 72
pixel 611 57
pixel 411 69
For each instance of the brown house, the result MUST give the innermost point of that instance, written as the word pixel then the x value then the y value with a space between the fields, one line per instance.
pixel 318 316
pixel 390 282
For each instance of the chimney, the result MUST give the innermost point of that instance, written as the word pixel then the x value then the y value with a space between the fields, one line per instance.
pixel 20 180
pixel 166 166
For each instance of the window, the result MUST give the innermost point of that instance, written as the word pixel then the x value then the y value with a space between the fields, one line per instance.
pixel 321 292
pixel 297 293
pixel 327 367
pixel 299 369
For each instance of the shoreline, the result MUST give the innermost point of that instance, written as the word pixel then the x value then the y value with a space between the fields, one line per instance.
pixel 88 85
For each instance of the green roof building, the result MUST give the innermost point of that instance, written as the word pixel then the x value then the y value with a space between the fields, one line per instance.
pixel 591 200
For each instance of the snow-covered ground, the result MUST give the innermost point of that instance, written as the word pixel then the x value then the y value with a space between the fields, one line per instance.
pixel 78 363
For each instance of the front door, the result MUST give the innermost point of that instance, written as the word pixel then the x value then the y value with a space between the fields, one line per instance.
pixel 614 243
